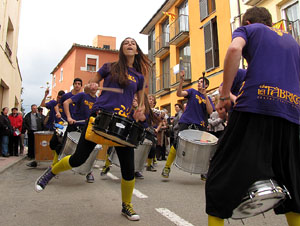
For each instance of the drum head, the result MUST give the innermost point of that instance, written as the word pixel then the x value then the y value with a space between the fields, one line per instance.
pixel 198 137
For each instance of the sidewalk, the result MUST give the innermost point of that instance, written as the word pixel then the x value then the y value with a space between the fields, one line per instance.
pixel 6 163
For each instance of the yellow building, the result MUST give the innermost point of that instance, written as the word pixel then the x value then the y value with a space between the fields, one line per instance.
pixel 285 13
pixel 199 33
pixel 10 76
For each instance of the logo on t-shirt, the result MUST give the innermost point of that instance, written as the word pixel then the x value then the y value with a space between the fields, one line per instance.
pixel 131 78
pixel 89 104
pixel 200 99
pixel 122 111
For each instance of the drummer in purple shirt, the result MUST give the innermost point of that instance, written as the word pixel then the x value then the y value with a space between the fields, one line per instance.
pixel 199 106
pixel 261 141
pixel 127 74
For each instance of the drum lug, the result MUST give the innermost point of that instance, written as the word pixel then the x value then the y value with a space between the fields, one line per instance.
pixel 287 192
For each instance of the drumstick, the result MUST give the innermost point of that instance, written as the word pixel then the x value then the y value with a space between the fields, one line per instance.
pixel 203 75
pixel 115 90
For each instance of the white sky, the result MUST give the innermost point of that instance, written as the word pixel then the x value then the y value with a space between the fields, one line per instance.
pixel 48 28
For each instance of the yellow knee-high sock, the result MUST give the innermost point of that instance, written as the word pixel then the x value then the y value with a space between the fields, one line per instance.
pixel 293 218
pixel 149 162
pixel 107 162
pixel 62 165
pixel 55 159
pixel 215 221
pixel 127 187
pixel 171 157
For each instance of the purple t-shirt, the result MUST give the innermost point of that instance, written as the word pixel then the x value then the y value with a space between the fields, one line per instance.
pixel 71 106
pixel 238 81
pixel 119 103
pixel 195 112
pixel 50 106
pixel 272 84
pixel 83 105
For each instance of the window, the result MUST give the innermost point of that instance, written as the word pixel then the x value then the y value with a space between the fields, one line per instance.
pixel 54 83
pixel 183 12
pixel 292 16
pixel 185 54
pixel 206 8
pixel 61 74
pixel 91 64
pixel 151 45
pixel 152 80
pixel 165 33
pixel 211 44
pixel 166 72
pixel 106 46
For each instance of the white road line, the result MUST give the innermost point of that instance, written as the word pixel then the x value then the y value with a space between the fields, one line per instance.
pixel 136 192
pixel 112 176
pixel 173 217
pixel 139 194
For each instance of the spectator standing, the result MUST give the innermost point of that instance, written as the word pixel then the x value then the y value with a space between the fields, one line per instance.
pixel 5 131
pixel 16 121
pixel 32 123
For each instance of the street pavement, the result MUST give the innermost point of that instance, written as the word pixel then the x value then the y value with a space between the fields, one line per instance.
pixel 69 200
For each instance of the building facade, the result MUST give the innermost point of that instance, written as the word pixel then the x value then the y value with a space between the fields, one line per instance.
pixel 83 62
pixel 285 13
pixel 192 33
pixel 10 76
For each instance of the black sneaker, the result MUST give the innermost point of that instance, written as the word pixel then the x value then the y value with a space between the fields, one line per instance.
pixel 43 180
pixel 128 212
pixel 150 168
pixel 32 164
pixel 90 178
pixel 138 175
pixel 104 170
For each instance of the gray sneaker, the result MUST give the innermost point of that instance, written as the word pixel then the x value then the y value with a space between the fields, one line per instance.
pixel 128 212
pixel 90 178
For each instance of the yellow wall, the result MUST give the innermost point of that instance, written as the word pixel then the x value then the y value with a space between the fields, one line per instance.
pixel 196 38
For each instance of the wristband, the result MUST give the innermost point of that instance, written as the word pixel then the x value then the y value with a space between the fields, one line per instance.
pixel 224 98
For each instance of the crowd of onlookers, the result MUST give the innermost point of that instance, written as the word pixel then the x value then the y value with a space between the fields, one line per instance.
pixel 17 130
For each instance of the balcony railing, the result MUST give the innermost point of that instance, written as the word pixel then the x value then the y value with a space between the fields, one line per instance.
pixel 161 44
pixel 8 50
pixel 163 82
pixel 293 27
pixel 179 27
pixel 175 78
pixel 151 53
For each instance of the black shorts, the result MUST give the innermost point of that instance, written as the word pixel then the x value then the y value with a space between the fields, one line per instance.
pixel 253 147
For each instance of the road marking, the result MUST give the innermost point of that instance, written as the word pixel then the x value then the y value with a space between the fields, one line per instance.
pixel 173 217
pixel 136 192
pixel 112 176
pixel 139 194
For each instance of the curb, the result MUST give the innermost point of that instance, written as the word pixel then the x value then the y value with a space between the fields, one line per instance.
pixel 2 169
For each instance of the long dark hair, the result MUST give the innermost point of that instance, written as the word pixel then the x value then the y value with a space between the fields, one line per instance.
pixel 119 69
pixel 153 118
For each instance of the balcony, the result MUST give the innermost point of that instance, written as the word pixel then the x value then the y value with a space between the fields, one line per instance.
pixel 162 44
pixel 8 50
pixel 163 84
pixel 179 30
pixel 187 77
pixel 292 27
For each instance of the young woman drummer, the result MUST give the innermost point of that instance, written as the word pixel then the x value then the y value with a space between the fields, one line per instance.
pixel 127 74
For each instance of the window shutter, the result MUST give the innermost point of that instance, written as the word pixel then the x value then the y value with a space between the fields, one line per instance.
pixel 91 61
pixel 208 42
pixel 203 9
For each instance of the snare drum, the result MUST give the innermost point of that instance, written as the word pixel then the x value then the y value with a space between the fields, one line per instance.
pixel 140 156
pixel 262 196
pixel 41 145
pixel 118 129
pixel 70 148
pixel 194 150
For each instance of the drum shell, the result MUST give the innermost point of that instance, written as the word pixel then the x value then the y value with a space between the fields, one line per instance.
pixel 140 156
pixel 70 148
pixel 42 149
pixel 102 121
pixel 120 127
pixel 262 196
pixel 194 157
